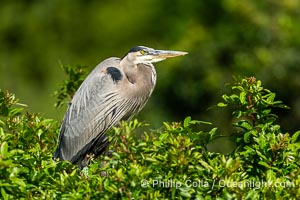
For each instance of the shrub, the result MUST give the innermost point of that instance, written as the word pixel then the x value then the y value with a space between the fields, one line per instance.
pixel 171 162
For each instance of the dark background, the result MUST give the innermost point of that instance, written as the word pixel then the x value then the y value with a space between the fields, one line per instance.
pixel 223 38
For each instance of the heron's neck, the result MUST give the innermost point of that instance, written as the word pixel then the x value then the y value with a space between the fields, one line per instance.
pixel 142 76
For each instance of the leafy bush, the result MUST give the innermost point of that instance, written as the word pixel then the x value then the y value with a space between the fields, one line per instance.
pixel 171 162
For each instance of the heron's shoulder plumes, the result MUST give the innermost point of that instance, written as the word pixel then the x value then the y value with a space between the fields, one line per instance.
pixel 115 73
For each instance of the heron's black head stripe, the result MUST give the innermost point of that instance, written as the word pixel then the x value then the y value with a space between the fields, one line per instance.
pixel 136 49
pixel 115 74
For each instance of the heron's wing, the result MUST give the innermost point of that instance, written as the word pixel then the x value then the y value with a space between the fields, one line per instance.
pixel 95 107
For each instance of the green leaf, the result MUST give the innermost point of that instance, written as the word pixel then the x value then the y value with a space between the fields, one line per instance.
pixel 151 159
pixel 271 98
pixel 163 136
pixel 243 97
pixel 4 194
pixel 264 164
pixel 185 194
pixel 167 126
pixel 244 124
pixel 142 144
pixel 4 149
pixel 212 132
pixel 221 104
pixel 18 181
pixel 247 136
pixel 186 121
pixel 295 137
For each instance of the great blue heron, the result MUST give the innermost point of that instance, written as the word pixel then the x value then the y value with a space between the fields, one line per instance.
pixel 115 90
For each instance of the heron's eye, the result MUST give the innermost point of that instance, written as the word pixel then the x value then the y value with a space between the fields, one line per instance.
pixel 142 52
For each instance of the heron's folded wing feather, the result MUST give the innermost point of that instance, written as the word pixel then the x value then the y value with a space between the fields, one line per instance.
pixel 91 111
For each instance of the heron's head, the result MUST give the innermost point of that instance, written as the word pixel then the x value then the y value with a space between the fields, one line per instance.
pixel 146 55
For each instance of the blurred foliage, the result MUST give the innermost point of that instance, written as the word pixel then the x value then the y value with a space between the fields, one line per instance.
pixel 170 162
pixel 68 88
pixel 223 38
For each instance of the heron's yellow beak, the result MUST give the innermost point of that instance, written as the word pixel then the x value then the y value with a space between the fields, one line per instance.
pixel 159 55
pixel 152 55
pixel 167 53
